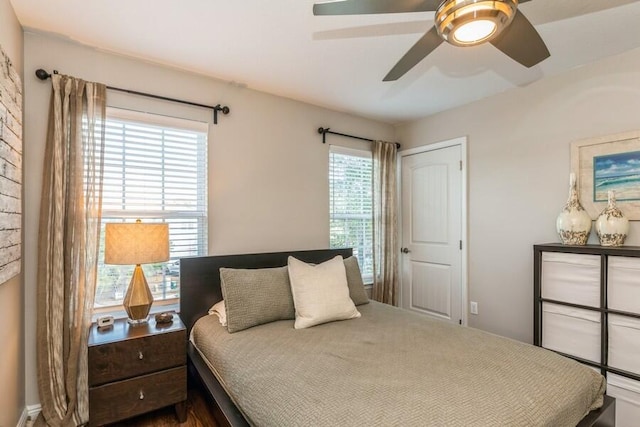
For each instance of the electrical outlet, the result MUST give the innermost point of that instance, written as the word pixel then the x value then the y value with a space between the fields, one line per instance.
pixel 474 307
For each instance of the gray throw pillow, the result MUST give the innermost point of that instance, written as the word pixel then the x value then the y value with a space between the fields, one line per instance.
pixel 256 296
pixel 354 280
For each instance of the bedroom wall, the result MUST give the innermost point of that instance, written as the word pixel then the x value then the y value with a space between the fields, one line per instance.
pixel 268 183
pixel 11 301
pixel 519 164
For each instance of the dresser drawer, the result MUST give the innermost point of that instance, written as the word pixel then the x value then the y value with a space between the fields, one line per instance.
pixel 128 398
pixel 571 278
pixel 133 357
pixel 573 331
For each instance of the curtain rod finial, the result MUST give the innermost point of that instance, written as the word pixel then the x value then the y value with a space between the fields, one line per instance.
pixel 42 74
pixel 225 110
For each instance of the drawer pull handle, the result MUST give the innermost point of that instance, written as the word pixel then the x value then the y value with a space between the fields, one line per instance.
pixel 141 395
pixel 140 355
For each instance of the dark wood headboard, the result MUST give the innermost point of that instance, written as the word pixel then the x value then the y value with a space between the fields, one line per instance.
pixel 200 276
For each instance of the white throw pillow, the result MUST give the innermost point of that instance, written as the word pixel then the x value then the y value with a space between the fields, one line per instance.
pixel 219 310
pixel 320 292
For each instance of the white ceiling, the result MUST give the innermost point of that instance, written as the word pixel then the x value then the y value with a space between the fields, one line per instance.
pixel 278 46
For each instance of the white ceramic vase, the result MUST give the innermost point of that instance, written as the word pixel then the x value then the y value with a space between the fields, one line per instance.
pixel 573 223
pixel 612 226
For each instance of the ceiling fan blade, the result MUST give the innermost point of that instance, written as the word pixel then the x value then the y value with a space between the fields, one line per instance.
pixel 358 7
pixel 417 53
pixel 539 12
pixel 521 42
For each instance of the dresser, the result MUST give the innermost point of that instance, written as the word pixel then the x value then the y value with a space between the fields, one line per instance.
pixel 587 307
pixel 136 369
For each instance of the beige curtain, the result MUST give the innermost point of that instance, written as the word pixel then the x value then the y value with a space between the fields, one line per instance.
pixel 68 247
pixel 385 223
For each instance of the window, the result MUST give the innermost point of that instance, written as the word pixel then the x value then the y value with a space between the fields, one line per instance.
pixel 351 205
pixel 155 169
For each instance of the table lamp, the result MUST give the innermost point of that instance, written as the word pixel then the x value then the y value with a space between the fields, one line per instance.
pixel 136 243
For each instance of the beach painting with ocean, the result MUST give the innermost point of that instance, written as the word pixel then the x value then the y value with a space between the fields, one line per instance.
pixel 619 172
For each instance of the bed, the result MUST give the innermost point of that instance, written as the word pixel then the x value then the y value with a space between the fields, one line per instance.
pixel 327 380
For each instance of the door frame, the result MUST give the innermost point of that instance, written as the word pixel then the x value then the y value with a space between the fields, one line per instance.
pixel 462 142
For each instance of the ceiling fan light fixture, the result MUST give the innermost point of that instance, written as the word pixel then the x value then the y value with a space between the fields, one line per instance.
pixel 473 31
pixel 471 22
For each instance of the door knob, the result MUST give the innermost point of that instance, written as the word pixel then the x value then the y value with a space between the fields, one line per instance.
pixel 405 250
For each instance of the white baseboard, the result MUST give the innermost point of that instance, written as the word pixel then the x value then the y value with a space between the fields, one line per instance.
pixel 29 415
pixel 22 422
pixel 34 410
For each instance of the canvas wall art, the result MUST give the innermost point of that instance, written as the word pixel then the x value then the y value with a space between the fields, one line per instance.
pixel 619 172
pixel 10 169
pixel 608 163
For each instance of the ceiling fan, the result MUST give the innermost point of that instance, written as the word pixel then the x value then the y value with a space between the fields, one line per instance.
pixel 459 22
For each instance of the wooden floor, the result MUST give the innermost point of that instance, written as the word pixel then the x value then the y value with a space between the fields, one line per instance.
pixel 199 414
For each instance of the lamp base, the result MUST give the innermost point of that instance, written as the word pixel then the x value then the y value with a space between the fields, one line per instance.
pixel 138 299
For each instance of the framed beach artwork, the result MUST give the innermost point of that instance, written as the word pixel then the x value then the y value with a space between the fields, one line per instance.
pixel 608 163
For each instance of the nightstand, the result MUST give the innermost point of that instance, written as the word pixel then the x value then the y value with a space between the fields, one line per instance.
pixel 136 369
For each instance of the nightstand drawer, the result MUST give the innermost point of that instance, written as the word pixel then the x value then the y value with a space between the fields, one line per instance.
pixel 133 357
pixel 124 399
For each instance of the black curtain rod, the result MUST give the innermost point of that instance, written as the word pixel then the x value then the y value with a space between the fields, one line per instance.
pixel 325 131
pixel 43 75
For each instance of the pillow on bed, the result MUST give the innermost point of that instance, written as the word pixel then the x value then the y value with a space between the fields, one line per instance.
pixel 219 310
pixel 354 281
pixel 320 292
pixel 256 296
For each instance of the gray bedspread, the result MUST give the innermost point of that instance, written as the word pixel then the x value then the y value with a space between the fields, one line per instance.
pixel 394 368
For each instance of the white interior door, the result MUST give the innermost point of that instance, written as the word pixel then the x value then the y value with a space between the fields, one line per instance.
pixel 432 225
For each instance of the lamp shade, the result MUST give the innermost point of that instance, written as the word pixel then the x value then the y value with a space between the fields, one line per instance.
pixel 136 243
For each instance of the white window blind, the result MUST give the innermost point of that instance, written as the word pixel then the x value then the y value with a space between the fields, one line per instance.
pixel 155 169
pixel 351 205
